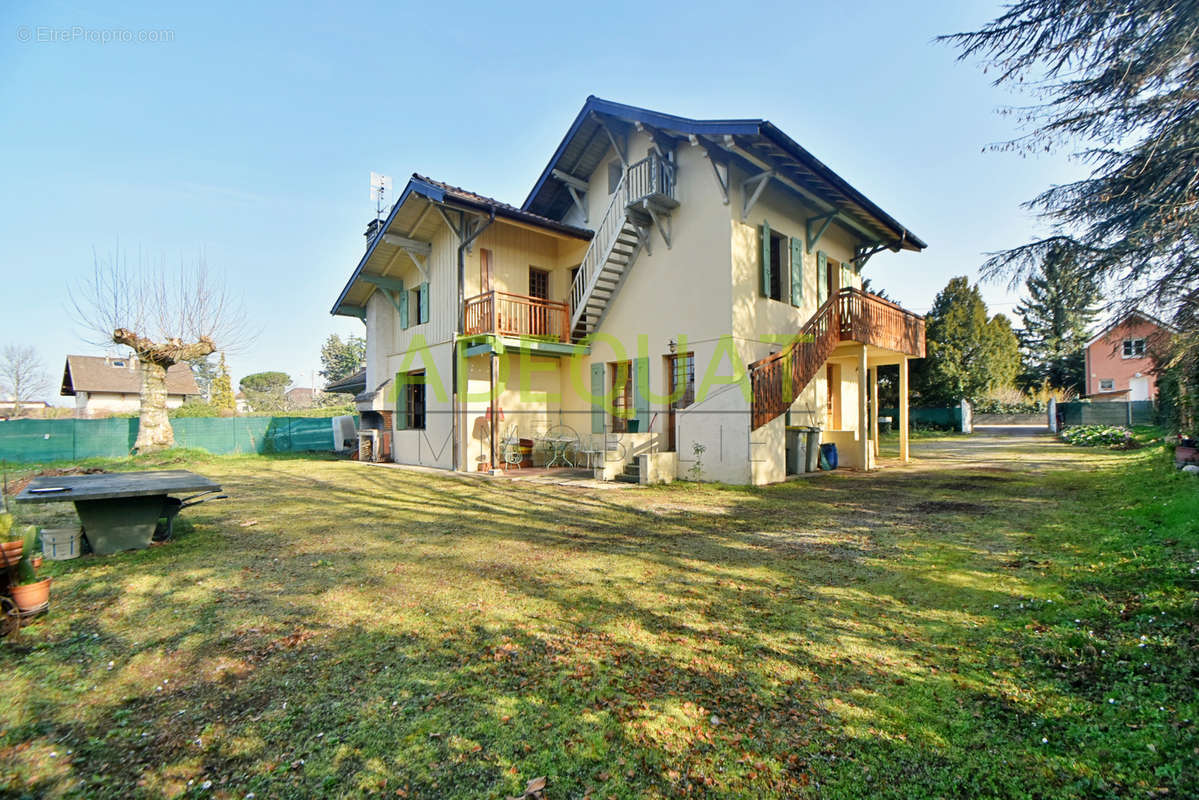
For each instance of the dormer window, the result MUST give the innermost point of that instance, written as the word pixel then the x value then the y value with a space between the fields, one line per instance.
pixel 1134 348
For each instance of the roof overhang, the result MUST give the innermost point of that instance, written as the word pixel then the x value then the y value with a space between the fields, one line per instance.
pixel 753 145
pixel 406 236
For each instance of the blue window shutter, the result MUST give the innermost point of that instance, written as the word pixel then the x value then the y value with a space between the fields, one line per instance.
pixel 821 277
pixel 401 385
pixel 765 259
pixel 641 393
pixel 424 302
pixel 797 248
pixel 402 302
pixel 597 398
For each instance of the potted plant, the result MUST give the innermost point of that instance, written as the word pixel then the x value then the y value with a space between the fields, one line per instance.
pixel 10 548
pixel 28 592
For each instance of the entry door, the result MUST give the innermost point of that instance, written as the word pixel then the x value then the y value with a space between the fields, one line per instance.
pixel 833 276
pixel 832 379
pixel 1138 388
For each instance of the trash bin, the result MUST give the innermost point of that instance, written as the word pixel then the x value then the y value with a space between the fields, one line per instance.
pixel 633 425
pixel 828 456
pixel 884 426
pixel 797 447
pixel 813 449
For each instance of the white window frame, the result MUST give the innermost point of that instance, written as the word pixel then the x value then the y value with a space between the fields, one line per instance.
pixel 1110 387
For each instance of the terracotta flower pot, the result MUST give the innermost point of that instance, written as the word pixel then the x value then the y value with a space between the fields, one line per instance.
pixel 32 595
pixel 10 553
pixel 36 561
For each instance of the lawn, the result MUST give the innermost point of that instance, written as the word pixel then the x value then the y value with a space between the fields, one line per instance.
pixel 1019 623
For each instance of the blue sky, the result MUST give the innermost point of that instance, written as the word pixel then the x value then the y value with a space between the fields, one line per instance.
pixel 249 133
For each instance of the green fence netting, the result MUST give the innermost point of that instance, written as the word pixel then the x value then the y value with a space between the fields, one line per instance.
pixel 1134 412
pixel 41 440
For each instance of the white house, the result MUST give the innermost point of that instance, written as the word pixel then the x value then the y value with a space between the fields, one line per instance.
pixel 107 385
pixel 668 283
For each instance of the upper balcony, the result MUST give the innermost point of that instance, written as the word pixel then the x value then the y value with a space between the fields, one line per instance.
pixel 507 314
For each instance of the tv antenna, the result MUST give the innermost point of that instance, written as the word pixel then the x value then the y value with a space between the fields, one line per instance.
pixel 380 186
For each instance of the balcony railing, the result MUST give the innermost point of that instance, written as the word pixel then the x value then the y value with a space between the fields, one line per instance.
pixel 510 314
pixel 850 316
pixel 649 177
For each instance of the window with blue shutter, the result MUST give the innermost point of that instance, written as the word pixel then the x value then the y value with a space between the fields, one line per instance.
pixel 401 390
pixel 597 398
pixel 641 393
pixel 797 248
pixel 764 258
pixel 401 302
pixel 424 302
pixel 821 277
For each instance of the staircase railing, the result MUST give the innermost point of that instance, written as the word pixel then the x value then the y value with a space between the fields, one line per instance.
pixel 849 315
pixel 598 251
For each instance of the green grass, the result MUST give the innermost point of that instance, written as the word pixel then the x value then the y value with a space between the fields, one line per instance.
pixel 1007 622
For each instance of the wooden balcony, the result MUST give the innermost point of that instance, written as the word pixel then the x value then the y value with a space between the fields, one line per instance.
pixel 869 319
pixel 850 316
pixel 507 314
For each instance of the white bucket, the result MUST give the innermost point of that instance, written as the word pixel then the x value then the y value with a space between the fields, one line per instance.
pixel 60 544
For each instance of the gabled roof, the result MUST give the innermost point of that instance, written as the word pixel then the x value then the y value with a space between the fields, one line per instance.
pixel 454 197
pixel 751 144
pixel 119 375
pixel 1123 318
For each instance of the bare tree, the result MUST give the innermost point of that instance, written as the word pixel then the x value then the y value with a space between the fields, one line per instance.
pixel 22 375
pixel 165 317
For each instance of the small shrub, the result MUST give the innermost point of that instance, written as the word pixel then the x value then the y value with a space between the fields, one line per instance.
pixel 1110 436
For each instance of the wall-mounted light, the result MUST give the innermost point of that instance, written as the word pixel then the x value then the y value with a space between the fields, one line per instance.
pixel 673 345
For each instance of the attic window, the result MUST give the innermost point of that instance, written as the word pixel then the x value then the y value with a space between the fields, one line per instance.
pixel 1134 348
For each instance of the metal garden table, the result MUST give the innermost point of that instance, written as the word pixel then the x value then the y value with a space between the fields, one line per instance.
pixel 119 510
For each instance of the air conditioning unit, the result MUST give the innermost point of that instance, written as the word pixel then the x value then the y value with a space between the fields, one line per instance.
pixel 368 445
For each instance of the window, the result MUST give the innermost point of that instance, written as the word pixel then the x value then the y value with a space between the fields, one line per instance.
pixel 682 380
pixel 1107 384
pixel 1134 348
pixel 419 302
pixel 615 173
pixel 410 411
pixel 539 283
pixel 622 395
pixel 772 280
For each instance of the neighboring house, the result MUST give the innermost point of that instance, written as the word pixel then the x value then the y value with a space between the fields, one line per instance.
pixel 300 397
pixel 107 385
pixel 242 403
pixel 1119 358
pixel 669 283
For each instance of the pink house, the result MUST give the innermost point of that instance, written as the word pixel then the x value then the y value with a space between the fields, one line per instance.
pixel 1119 359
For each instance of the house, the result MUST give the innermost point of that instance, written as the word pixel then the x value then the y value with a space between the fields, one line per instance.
pixel 352 384
pixel 107 385
pixel 300 397
pixel 670 289
pixel 1119 358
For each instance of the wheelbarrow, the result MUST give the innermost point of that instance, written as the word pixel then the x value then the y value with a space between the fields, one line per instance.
pixel 171 506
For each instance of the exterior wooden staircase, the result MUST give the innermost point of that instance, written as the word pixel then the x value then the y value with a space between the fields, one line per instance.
pixel 642 201
pixel 851 315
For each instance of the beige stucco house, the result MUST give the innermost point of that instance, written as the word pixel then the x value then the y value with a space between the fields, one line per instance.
pixel 668 285
pixel 105 386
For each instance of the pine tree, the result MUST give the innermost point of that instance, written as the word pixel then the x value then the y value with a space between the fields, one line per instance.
pixel 1059 309
pixel 968 353
pixel 222 389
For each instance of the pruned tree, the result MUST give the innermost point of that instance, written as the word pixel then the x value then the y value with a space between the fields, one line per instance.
pixel 165 317
pixel 1119 85
pixel 22 375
